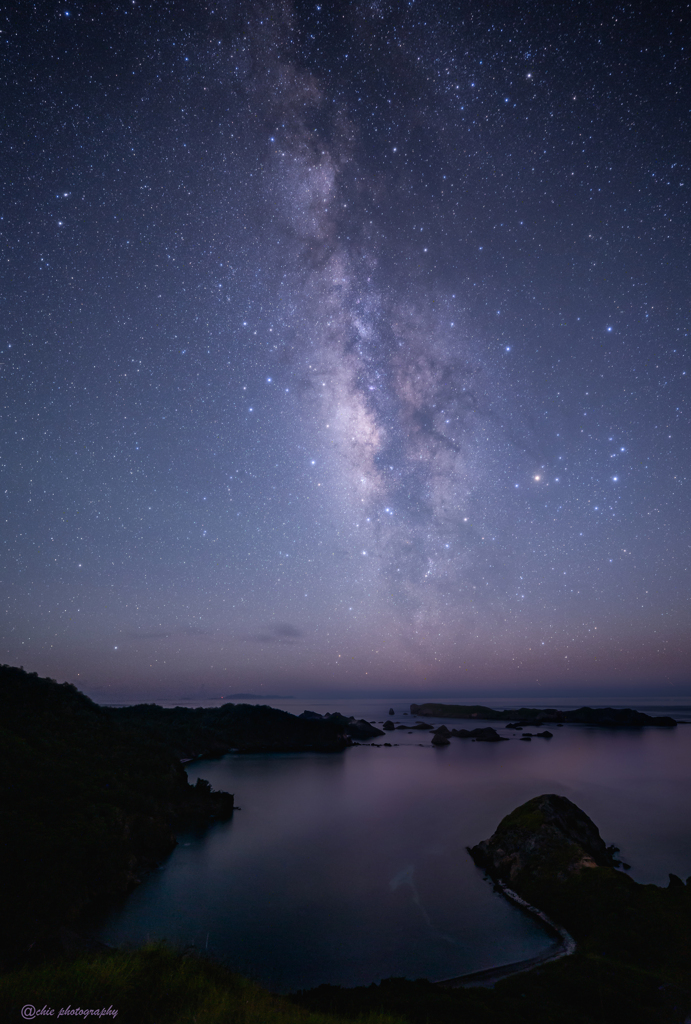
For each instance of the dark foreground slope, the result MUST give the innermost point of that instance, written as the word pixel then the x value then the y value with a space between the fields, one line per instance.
pixel 611 718
pixel 149 986
pixel 93 796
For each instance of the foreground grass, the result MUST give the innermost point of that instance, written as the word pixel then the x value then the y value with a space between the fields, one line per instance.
pixel 154 985
pixel 157 985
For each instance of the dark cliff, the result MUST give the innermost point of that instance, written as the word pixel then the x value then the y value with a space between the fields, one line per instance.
pixel 547 837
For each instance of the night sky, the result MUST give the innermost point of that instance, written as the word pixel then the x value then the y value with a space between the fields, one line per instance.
pixel 345 347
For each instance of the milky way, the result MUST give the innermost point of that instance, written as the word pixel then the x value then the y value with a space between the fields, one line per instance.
pixel 347 348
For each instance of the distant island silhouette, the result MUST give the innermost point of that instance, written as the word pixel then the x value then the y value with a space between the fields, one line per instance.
pixel 257 696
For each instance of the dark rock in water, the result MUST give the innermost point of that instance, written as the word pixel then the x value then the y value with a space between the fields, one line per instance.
pixel 421 725
pixel 488 735
pixel 355 729
pixel 615 718
pixel 388 725
pixel 442 731
pixel 527 737
pixel 547 837
pixel 546 735
pixel 391 711
pixel 361 730
pixel 440 740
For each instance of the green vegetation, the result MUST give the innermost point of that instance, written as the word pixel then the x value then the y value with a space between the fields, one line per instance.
pixel 614 919
pixel 159 986
pixel 528 816
pixel 153 986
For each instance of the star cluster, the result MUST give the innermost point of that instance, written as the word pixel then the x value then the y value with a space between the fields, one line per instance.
pixel 346 347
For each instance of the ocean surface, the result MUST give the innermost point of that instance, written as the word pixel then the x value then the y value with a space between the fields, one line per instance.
pixel 349 868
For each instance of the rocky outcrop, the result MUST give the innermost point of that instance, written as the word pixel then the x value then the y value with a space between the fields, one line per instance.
pixel 487 735
pixel 547 838
pixel 354 729
pixel 606 717
pixel 441 730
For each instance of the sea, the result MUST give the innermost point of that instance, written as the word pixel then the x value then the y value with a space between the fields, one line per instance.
pixel 352 867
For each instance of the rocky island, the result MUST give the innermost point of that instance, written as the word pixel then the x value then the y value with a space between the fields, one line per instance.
pixel 611 718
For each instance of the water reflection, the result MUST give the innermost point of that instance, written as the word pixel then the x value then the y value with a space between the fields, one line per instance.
pixel 353 867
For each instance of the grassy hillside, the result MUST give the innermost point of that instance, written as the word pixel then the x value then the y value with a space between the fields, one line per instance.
pixel 160 986
pixel 153 986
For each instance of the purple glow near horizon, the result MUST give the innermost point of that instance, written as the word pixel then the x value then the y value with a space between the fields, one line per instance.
pixel 346 353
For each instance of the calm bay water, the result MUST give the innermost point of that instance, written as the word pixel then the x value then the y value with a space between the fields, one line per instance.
pixel 348 868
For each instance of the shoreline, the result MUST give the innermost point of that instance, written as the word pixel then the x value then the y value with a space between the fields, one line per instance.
pixel 565 946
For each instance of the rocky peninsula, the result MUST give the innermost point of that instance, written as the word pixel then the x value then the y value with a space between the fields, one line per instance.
pixel 621 950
